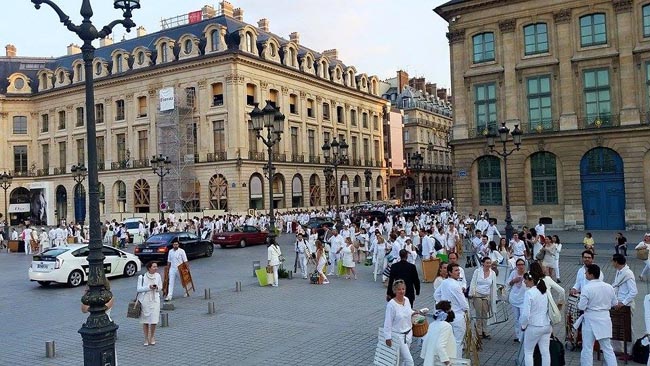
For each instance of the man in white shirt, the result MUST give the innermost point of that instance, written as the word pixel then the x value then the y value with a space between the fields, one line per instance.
pixel 27 237
pixel 581 280
pixel 625 288
pixel 453 258
pixel 52 236
pixel 301 248
pixel 540 228
pixel 336 242
pixel 175 258
pixel 450 290
pixel 493 231
pixel 482 225
pixel 596 299
pixel 428 246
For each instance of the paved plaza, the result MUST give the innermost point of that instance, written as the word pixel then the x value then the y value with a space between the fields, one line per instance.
pixel 294 324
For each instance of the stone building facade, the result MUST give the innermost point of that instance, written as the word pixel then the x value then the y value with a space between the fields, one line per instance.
pixel 575 76
pixel 218 68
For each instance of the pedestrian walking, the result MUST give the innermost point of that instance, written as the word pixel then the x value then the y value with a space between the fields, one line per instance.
pixel 483 292
pixel 321 261
pixel 535 321
pixel 644 244
pixel 517 289
pixel 273 254
pixel 451 290
pixel 439 344
pixel 596 299
pixel 408 273
pixel 558 248
pixel 625 288
pixel 347 257
pixel 149 287
pixel 301 250
pixel 621 244
pixel 397 322
pixel 175 258
pixel 589 243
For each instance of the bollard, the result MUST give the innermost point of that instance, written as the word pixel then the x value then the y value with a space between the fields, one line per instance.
pixel 164 320
pixel 208 295
pixel 256 266
pixel 238 286
pixel 211 307
pixel 50 351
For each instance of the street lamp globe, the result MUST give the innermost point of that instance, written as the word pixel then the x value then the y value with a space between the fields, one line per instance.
pixel 326 149
pixel 268 114
pixel 516 136
pixel 257 118
pixel 335 146
pixel 278 123
pixel 344 148
pixel 490 138
pixel 503 132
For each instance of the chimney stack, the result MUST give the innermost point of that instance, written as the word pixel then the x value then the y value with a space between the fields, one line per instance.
pixel 10 50
pixel 332 54
pixel 208 12
pixel 263 24
pixel 238 14
pixel 295 36
pixel 141 31
pixel 106 41
pixel 226 8
pixel 402 80
pixel 73 49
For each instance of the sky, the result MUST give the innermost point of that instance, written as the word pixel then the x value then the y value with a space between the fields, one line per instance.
pixel 378 37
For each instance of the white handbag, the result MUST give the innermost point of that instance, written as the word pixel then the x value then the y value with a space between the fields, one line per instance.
pixel 554 313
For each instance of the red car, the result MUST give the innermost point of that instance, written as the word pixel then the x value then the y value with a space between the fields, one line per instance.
pixel 242 236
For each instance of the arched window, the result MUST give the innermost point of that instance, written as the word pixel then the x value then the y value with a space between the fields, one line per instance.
pixel 141 196
pixel 379 188
pixel 119 192
pixel 80 74
pixel 102 198
pixel 214 40
pixel 483 47
pixel 256 192
pixel 535 39
pixel 593 30
pixel 296 191
pixel 489 180
pixel 218 192
pixel 163 52
pixel 543 173
pixel 249 42
pixel 118 61
pixel 278 191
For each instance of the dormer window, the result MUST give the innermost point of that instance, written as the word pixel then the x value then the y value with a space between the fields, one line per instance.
pixel 61 77
pixel 214 37
pixel 163 52
pixel 98 68
pixel 249 42
pixel 119 66
pixel 19 83
pixel 292 55
pixel 272 50
pixel 79 72
pixel 140 58
pixel 188 46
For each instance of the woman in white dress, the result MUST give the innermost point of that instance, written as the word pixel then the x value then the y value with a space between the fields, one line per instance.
pixel 321 261
pixel 397 323
pixel 347 252
pixel 362 238
pixel 379 255
pixel 273 255
pixel 483 292
pixel 442 275
pixel 517 290
pixel 149 287
pixel 439 344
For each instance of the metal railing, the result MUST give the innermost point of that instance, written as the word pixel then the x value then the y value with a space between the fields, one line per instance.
pixel 314 159
pixel 541 126
pixel 116 165
pixel 59 170
pixel 297 158
pixel 216 156
pixel 43 172
pixel 279 157
pixel 254 155
pixel 141 163
pixel 600 121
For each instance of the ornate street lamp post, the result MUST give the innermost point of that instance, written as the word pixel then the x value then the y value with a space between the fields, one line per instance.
pixel 160 165
pixel 328 172
pixel 336 154
pixel 5 182
pixel 98 333
pixel 271 119
pixel 79 173
pixel 504 153
pixel 368 174
pixel 417 166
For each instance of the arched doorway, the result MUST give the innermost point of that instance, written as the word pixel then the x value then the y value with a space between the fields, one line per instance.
pixel 603 189
pixel 409 189
pixel 330 190
pixel 278 191
pixel 79 203
pixel 218 187
pixel 61 204
pixel 379 187
pixel 102 199
pixel 356 189
pixel 119 194
pixel 296 191
pixel 256 192
pixel 19 206
pixel 141 196
pixel 314 190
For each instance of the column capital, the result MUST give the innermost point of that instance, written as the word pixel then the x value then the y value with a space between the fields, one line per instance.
pixel 562 16
pixel 456 36
pixel 508 25
pixel 622 6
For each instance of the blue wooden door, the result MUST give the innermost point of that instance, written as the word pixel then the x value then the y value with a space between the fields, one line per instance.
pixel 603 190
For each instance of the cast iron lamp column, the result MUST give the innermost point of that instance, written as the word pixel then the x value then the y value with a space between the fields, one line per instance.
pixel 160 165
pixel 271 119
pixel 417 159
pixel 368 174
pixel 516 139
pixel 5 183
pixel 328 172
pixel 79 173
pixel 98 333
pixel 339 156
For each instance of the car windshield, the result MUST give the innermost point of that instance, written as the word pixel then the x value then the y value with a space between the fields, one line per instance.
pixel 132 225
pixel 161 237
pixel 55 252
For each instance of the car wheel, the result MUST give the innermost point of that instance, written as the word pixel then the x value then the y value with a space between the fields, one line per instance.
pixel 242 243
pixel 130 269
pixel 44 283
pixel 75 278
pixel 209 250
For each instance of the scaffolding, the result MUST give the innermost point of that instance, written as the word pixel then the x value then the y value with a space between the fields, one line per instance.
pixel 177 139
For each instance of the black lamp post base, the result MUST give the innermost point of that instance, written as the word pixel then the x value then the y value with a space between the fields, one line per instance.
pixel 99 345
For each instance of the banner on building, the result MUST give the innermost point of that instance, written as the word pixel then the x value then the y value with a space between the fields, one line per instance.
pixel 195 16
pixel 166 96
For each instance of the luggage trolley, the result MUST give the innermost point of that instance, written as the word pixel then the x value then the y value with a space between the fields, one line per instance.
pixel 573 338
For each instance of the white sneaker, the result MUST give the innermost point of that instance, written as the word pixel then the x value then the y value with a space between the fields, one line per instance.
pixel 168 298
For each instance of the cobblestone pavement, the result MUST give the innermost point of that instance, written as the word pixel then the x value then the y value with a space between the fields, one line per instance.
pixel 294 324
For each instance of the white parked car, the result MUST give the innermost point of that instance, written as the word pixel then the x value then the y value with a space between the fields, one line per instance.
pixel 70 265
pixel 133 228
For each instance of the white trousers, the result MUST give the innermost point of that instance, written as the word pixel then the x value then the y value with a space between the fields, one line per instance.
pixel 556 267
pixel 173 273
pixel 275 276
pixel 587 353
pixel 379 263
pixel 459 328
pixel 535 335
pixel 406 359
pixel 302 264
pixel 289 227
pixel 646 269
pixel 28 248
pixel 515 314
